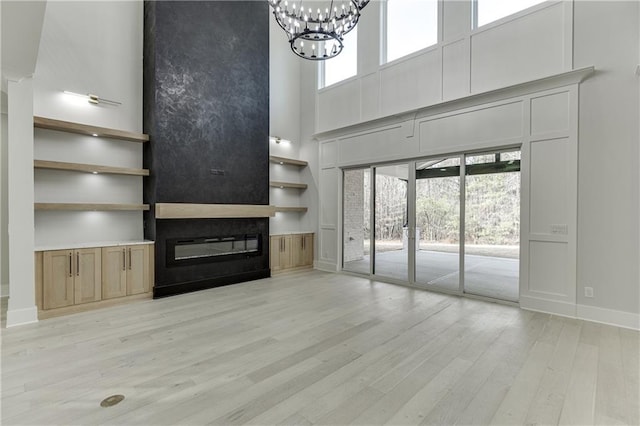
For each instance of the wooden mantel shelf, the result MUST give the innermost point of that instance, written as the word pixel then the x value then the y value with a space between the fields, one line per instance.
pixel 90 206
pixel 212 211
pixel 88 168
pixel 86 129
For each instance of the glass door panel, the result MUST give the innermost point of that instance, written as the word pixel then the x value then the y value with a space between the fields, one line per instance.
pixel 492 225
pixel 438 223
pixel 390 223
pixel 356 221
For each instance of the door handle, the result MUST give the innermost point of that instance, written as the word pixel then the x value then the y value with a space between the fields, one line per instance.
pixel 129 258
pixel 124 260
pixel 70 264
pixel 77 264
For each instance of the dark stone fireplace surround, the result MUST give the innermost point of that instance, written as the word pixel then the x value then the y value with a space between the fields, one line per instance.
pixel 206 110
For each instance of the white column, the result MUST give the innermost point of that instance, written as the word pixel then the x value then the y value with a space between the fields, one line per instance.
pixel 22 308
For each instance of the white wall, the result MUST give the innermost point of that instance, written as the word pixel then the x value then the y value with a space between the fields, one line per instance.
pixel 607 36
pixel 4 207
pixel 89 47
pixel 284 113
pixel 599 204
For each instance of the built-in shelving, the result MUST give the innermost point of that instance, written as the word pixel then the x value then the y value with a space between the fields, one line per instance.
pixel 85 129
pixel 288 185
pixel 90 207
pixel 88 168
pixel 287 161
pixel 282 209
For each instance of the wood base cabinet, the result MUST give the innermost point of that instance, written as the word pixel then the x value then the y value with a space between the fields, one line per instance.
pixel 71 277
pixel 125 271
pixel 74 280
pixel 290 252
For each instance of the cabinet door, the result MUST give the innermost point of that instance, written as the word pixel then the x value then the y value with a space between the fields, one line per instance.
pixel 114 272
pixel 275 247
pixel 138 269
pixel 297 250
pixel 88 275
pixel 57 279
pixel 285 254
pixel 307 250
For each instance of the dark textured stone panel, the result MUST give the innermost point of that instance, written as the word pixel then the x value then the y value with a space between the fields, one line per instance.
pixel 207 101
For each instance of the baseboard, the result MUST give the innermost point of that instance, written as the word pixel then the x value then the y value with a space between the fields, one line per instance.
pixel 546 306
pixel 22 316
pixel 609 316
pixel 325 266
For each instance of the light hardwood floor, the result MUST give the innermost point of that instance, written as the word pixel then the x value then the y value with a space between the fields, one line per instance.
pixel 316 348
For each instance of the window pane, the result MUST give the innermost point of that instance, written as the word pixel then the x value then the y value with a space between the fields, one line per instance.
pixel 492 10
pixel 344 65
pixel 411 25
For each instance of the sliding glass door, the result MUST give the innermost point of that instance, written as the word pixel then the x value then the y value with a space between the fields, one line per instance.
pixel 492 225
pixel 450 224
pixel 391 238
pixel 438 223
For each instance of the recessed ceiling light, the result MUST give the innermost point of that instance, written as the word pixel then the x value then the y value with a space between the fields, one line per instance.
pixel 94 134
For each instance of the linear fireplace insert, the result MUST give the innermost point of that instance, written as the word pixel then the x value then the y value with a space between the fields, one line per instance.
pixel 190 251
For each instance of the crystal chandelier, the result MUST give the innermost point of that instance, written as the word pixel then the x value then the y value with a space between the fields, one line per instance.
pixel 316 33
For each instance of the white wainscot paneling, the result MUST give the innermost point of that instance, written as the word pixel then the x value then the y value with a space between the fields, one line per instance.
pixel 411 83
pixel 549 189
pixel 384 144
pixel 548 263
pixel 495 124
pixel 370 90
pixel 339 105
pixel 519 50
pixel 328 153
pixel 329 196
pixel 550 113
pixel 455 69
pixel 328 245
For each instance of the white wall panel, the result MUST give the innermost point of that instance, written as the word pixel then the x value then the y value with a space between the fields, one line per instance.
pixel 549 191
pixel 455 69
pixel 328 245
pixel 457 19
pixel 370 90
pixel 328 153
pixel 518 50
pixel 411 83
pixel 328 196
pixel 548 263
pixel 385 144
pixel 458 131
pixel 339 105
pixel 550 113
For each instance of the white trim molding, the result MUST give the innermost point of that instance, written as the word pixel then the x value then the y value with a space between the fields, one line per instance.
pixel 23 316
pixel 609 316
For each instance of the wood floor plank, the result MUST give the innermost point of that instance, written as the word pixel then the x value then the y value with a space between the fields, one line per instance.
pixel 318 348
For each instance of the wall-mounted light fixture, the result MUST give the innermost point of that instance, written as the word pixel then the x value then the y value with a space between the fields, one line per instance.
pixel 278 140
pixel 94 99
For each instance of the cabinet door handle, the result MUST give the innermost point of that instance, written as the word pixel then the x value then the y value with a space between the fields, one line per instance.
pixel 77 263
pixel 70 265
pixel 129 258
pixel 303 242
pixel 124 260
